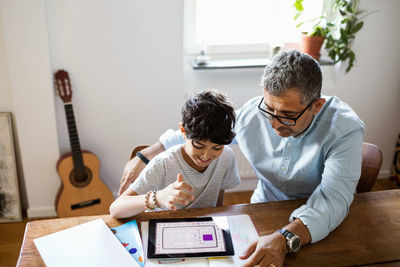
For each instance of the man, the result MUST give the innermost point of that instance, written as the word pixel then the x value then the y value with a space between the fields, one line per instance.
pixel 301 145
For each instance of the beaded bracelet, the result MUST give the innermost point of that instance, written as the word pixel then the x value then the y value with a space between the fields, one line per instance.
pixel 146 201
pixel 156 206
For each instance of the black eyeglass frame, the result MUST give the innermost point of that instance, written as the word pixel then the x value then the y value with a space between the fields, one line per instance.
pixel 271 116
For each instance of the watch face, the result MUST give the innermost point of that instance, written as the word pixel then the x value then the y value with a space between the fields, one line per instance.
pixel 293 241
pixel 295 244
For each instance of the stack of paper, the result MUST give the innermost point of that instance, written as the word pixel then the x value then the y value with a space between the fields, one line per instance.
pixel 88 244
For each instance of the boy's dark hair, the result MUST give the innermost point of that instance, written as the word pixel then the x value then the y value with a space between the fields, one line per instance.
pixel 209 115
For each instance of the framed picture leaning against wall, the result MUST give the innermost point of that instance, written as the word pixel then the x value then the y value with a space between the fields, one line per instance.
pixel 10 204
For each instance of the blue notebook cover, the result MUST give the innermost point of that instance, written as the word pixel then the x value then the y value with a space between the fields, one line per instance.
pixel 128 235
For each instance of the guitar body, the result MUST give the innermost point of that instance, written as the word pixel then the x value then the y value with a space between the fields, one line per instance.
pixel 82 192
pixel 77 197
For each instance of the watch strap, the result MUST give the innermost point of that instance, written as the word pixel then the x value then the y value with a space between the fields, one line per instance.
pixel 283 232
pixel 142 157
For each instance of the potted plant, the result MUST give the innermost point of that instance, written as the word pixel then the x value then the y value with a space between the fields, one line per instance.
pixel 338 27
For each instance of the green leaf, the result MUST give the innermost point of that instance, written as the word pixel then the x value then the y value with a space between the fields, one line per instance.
pixel 298 5
pixel 352 56
pixel 357 27
pixel 332 54
pixel 351 64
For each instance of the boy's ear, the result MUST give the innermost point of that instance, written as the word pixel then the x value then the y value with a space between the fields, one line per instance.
pixel 182 131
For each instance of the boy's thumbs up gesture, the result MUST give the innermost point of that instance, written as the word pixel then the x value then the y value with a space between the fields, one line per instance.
pixel 178 192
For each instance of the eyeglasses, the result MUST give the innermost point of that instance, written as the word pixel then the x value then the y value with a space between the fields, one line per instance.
pixel 282 119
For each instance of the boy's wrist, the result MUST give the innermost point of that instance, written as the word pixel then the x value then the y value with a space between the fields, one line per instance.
pixel 155 202
pixel 150 201
pixel 159 198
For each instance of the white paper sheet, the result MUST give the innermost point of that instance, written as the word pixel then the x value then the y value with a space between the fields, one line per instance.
pixel 88 244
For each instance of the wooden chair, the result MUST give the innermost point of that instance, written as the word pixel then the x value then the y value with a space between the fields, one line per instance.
pixel 370 166
pixel 136 149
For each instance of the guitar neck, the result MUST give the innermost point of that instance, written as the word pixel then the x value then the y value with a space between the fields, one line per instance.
pixel 73 138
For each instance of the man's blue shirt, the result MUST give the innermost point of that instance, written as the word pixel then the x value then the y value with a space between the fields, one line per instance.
pixel 322 164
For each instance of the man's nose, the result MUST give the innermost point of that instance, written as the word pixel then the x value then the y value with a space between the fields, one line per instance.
pixel 275 123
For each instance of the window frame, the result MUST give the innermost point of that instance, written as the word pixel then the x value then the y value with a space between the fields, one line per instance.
pixel 216 51
pixel 224 52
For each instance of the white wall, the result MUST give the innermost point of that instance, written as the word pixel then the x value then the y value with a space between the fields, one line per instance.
pixel 129 78
pixel 25 68
pixel 125 63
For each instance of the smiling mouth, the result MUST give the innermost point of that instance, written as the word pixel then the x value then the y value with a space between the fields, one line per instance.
pixel 204 160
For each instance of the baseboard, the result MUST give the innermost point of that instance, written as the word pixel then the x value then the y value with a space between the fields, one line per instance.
pixel 384 174
pixel 41 212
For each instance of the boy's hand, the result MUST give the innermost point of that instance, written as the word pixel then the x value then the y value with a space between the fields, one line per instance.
pixel 178 192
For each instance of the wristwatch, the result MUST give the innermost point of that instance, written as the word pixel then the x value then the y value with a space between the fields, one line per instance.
pixel 292 240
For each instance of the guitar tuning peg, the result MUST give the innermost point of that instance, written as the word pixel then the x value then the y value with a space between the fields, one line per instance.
pixel 56 87
pixel 61 91
pixel 68 89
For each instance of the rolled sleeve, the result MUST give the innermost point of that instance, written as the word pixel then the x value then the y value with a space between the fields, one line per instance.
pixel 314 221
pixel 329 204
pixel 171 138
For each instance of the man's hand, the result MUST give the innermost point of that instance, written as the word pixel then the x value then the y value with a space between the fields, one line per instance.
pixel 136 165
pixel 266 251
pixel 175 193
pixel 131 172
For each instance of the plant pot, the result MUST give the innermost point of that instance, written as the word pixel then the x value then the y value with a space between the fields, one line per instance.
pixel 311 45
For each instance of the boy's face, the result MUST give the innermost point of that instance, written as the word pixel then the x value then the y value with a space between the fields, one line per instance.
pixel 199 154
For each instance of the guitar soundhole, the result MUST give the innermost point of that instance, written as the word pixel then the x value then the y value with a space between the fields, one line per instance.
pixel 80 178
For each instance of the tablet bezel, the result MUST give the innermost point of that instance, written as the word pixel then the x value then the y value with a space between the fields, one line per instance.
pixel 229 250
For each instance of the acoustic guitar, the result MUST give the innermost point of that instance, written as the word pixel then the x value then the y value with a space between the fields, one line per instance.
pixel 81 192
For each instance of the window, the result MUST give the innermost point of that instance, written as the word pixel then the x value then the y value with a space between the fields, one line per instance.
pixel 243 28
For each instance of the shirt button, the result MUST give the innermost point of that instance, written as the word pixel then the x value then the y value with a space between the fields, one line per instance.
pixel 289 144
pixel 283 168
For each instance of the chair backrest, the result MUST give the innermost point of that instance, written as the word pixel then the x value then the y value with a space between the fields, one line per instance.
pixel 371 164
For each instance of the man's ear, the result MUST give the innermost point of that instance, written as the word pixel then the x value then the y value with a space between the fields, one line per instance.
pixel 318 104
pixel 182 131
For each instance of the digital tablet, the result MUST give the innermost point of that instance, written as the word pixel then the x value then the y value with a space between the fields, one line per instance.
pixel 189 237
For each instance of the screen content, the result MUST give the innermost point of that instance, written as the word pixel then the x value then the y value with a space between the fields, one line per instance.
pixel 188 237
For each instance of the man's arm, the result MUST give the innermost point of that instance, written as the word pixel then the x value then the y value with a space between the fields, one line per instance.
pixel 326 208
pixel 329 204
pixel 136 165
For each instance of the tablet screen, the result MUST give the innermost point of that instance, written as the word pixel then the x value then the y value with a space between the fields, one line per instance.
pixel 189 237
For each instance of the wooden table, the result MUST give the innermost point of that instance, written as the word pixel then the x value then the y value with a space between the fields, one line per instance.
pixel 370 234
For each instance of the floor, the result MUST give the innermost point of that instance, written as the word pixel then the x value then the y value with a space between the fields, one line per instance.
pixel 11 234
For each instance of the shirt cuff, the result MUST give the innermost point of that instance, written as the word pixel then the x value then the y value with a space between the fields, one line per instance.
pixel 313 220
pixel 171 138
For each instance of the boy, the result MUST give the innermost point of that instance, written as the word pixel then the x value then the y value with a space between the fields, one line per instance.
pixel 191 175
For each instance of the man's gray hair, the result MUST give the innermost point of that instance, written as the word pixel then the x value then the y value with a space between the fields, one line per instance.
pixel 293 70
